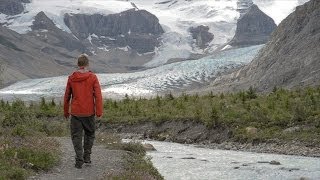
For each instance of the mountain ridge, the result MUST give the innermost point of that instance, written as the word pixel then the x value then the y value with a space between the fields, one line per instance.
pixel 289 60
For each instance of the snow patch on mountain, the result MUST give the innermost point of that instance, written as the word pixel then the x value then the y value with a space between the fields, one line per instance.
pixel 278 9
pixel 175 16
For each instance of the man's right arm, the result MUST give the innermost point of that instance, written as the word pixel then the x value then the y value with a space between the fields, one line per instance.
pixel 67 97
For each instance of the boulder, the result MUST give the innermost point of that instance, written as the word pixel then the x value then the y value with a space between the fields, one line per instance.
pixel 148 147
pixel 275 163
pixel 251 130
pixel 188 158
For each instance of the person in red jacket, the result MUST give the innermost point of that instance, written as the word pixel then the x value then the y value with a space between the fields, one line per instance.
pixel 83 89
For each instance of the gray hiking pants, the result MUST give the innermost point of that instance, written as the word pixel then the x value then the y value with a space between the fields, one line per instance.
pixel 78 125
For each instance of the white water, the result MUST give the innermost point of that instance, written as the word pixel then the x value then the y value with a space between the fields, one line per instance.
pixel 220 164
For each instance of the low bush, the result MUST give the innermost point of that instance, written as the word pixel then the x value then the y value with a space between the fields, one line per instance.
pixel 24 144
pixel 137 165
pixel 21 157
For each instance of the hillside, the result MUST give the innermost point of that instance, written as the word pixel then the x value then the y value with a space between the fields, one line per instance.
pixel 290 59
pixel 20 55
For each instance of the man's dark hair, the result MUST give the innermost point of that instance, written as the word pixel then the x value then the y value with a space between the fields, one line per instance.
pixel 83 60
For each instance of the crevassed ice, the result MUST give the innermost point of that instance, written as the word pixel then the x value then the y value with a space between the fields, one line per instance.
pixel 149 82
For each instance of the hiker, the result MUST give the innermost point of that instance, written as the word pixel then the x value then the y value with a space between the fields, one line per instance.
pixel 83 89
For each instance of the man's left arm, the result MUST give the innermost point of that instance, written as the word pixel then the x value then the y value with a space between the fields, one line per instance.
pixel 67 97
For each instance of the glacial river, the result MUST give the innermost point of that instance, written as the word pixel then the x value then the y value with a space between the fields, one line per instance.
pixel 177 161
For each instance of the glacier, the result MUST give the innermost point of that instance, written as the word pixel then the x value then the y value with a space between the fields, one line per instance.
pixel 175 77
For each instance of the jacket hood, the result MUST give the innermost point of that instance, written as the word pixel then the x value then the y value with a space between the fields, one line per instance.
pixel 80 76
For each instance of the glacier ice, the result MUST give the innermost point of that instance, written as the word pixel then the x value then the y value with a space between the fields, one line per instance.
pixel 169 77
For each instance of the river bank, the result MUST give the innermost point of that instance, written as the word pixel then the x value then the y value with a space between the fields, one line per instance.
pixel 190 132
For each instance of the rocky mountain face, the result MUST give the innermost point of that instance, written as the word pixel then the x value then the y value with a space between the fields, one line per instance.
pixel 202 36
pixel 253 28
pixel 137 29
pixel 44 29
pixel 12 7
pixel 290 59
pixel 21 58
pixel 40 53
pixel 47 50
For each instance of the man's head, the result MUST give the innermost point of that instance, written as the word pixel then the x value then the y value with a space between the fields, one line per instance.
pixel 83 60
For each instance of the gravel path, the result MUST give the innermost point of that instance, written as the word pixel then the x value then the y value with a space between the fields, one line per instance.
pixel 103 161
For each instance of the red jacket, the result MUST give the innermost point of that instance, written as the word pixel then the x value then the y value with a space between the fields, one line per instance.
pixel 84 90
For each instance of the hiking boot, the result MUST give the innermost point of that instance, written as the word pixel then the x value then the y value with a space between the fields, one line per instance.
pixel 87 162
pixel 78 165
pixel 87 159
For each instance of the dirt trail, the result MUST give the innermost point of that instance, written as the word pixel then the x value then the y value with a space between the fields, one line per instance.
pixel 103 161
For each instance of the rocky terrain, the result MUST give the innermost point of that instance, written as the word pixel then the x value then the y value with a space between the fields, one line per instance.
pixel 290 59
pixel 137 29
pixel 20 57
pixel 253 28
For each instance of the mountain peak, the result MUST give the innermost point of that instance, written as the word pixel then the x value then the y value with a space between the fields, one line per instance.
pixel 42 21
pixel 254 10
pixel 253 28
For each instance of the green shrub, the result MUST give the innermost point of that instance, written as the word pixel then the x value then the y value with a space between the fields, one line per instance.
pixel 7 171
pixel 21 130
pixel 34 159
pixel 56 128
pixel 133 147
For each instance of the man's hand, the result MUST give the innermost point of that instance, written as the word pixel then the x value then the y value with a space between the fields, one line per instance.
pixel 67 116
pixel 98 118
pixel 98 122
